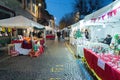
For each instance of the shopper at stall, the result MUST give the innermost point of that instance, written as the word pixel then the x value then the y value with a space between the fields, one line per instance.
pixel 86 34
pixel 63 33
pixel 39 34
pixel 108 39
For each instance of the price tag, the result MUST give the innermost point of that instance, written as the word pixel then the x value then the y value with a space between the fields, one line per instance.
pixel 101 63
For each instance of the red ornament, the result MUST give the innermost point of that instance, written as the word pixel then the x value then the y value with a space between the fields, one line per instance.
pixel 13 29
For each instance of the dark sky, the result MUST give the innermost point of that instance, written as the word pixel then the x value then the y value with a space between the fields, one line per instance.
pixel 59 8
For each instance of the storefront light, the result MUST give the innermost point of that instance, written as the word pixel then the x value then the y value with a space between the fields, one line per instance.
pixel 104 26
pixel 98 29
pixel 39 4
pixel 24 31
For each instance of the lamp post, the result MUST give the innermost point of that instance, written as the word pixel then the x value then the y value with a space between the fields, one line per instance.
pixel 39 8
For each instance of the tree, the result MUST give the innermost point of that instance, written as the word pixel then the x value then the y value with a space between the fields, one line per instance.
pixel 67 20
pixel 85 7
pixel 78 34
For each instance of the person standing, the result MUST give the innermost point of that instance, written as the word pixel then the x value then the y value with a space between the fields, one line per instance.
pixel 58 35
pixel 108 39
pixel 63 34
pixel 86 34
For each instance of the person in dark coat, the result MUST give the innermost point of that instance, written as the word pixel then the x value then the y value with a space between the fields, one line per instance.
pixel 39 34
pixel 86 34
pixel 58 35
pixel 108 39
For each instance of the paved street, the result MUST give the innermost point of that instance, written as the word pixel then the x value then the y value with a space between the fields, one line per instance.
pixel 57 63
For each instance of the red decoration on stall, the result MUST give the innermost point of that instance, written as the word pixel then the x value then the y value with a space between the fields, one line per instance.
pixel 93 19
pixel 103 17
pixel 114 11
pixel 109 14
pixel 13 29
pixel 99 18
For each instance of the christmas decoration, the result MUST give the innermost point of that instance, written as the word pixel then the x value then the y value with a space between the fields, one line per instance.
pixel 3 29
pixel 9 29
pixel 108 14
pixel 116 36
pixel 78 34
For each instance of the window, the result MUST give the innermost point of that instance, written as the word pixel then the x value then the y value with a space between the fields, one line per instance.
pixel 20 1
pixel 33 6
pixel 28 4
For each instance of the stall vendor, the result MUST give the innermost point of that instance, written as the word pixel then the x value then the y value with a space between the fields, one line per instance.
pixel 108 39
pixel 87 36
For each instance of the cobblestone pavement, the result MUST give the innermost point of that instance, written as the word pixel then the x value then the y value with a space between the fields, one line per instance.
pixel 56 63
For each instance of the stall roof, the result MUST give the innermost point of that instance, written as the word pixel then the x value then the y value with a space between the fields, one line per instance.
pixel 19 22
pixel 48 28
pixel 110 9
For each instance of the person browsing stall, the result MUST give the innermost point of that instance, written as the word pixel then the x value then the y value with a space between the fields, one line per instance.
pixel 108 39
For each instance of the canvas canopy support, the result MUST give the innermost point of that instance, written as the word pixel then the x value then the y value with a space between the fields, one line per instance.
pixel 19 22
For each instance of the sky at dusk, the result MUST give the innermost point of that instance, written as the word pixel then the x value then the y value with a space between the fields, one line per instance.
pixel 58 8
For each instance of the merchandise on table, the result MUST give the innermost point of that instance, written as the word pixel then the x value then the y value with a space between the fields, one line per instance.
pixel 108 67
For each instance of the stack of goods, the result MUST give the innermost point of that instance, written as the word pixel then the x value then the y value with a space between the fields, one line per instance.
pixel 99 49
pixel 27 43
pixel 36 50
pixel 112 60
pixel 12 51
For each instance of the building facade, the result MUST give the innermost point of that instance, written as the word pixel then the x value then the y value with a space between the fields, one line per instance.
pixel 6 12
pixel 38 9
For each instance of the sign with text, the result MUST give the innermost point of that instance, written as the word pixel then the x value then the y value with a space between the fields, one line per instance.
pixel 101 63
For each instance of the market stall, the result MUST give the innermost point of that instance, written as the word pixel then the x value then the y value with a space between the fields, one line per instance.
pixel 23 43
pixel 105 65
pixel 107 19
pixel 50 34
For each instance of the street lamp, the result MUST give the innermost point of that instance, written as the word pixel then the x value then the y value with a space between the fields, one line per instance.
pixel 39 8
pixel 39 4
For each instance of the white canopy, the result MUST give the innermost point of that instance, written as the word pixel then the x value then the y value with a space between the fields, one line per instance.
pixel 105 21
pixel 19 22
pixel 108 13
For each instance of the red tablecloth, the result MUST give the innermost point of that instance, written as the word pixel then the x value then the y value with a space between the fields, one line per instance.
pixel 32 53
pixel 26 45
pixel 108 74
pixel 16 41
pixel 42 42
pixel 23 44
pixel 50 36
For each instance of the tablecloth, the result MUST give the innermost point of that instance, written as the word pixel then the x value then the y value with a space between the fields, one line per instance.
pixel 16 41
pixel 80 50
pixel 18 47
pixel 50 36
pixel 21 50
pixel 109 73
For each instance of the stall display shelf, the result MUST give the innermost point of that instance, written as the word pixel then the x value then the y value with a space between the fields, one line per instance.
pixel 102 67
pixel 90 45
